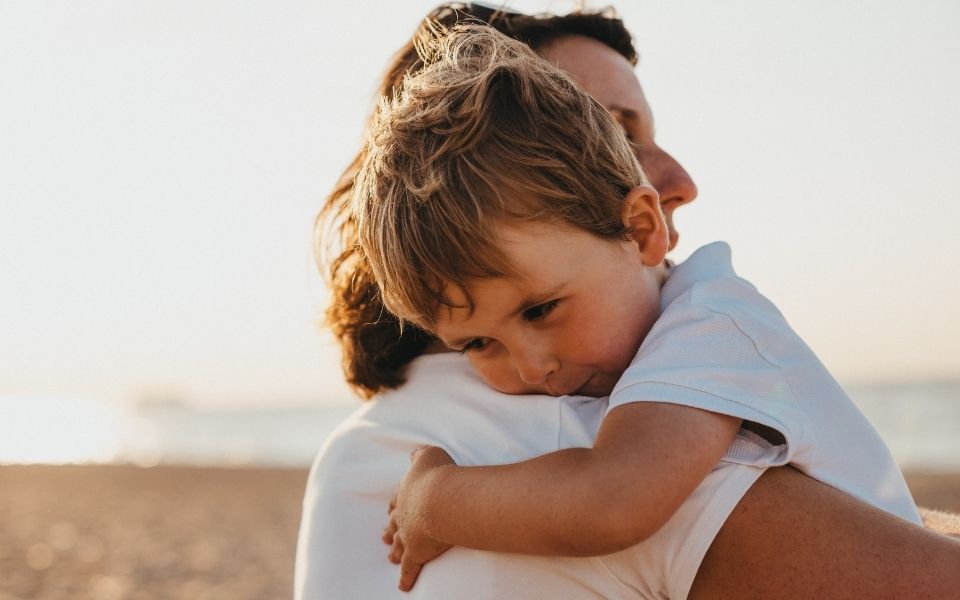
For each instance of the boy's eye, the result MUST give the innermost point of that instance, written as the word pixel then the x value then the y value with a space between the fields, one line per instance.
pixel 474 345
pixel 535 313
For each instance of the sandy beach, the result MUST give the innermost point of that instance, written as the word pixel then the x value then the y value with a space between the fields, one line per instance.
pixel 111 533
pixel 123 532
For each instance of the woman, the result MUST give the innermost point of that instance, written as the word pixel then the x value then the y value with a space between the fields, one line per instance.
pixel 711 548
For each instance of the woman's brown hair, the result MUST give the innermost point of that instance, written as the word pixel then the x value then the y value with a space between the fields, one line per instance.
pixel 375 348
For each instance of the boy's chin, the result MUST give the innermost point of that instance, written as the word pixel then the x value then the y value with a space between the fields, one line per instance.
pixel 597 386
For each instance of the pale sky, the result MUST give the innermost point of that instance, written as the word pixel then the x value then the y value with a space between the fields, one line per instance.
pixel 161 162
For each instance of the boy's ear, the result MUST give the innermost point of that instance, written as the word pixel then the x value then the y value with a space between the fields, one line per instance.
pixel 643 217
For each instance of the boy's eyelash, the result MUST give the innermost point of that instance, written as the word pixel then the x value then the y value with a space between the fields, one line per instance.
pixel 534 313
pixel 474 344
pixel 539 311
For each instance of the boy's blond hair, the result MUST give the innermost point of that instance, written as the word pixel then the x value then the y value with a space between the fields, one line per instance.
pixel 486 132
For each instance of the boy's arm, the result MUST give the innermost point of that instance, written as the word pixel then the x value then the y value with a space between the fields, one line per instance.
pixel 647 459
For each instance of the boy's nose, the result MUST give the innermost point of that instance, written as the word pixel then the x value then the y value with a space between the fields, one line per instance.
pixel 534 366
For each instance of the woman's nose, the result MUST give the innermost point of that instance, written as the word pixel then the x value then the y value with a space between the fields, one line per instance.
pixel 674 184
pixel 672 181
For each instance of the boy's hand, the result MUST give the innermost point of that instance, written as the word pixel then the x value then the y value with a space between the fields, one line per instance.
pixel 406 531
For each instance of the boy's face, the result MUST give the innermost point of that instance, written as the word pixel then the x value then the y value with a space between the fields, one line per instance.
pixel 570 322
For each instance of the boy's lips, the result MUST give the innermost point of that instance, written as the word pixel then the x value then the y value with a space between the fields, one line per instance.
pixel 566 390
pixel 598 385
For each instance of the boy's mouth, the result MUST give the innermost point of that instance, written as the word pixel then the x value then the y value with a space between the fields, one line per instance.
pixel 562 390
pixel 599 384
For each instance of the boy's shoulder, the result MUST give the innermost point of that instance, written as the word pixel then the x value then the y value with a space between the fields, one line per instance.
pixel 708 272
pixel 718 345
pixel 705 302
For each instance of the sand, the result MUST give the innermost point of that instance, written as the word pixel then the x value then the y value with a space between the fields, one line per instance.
pixel 118 532
pixel 115 533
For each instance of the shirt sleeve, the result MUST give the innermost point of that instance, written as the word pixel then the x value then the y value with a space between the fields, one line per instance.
pixel 666 564
pixel 704 358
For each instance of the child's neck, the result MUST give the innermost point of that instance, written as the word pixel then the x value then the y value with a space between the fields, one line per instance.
pixel 662 272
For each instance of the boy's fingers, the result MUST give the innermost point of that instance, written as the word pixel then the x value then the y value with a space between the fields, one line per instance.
pixel 390 530
pixel 430 456
pixel 416 452
pixel 409 571
pixel 396 552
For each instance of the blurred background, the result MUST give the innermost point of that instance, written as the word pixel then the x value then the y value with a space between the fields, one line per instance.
pixel 161 164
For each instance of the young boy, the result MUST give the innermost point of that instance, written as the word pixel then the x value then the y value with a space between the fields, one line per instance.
pixel 502 209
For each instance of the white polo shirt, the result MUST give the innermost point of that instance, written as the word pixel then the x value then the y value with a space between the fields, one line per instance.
pixel 719 345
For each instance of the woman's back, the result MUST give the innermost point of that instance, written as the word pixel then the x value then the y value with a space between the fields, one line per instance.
pixel 340 554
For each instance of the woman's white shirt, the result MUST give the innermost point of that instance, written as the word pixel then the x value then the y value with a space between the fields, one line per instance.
pixel 444 403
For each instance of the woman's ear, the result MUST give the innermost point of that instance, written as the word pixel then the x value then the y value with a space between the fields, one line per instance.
pixel 643 217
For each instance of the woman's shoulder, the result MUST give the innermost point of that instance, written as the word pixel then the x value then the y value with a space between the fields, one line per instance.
pixel 435 383
pixel 444 403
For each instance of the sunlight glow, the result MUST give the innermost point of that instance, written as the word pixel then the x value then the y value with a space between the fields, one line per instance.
pixel 49 429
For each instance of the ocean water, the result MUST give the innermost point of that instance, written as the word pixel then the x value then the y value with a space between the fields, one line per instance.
pixel 919 421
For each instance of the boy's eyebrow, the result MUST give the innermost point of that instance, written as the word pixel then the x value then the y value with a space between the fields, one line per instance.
pixel 533 300
pixel 528 302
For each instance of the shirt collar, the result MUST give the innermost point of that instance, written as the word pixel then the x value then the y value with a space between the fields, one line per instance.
pixel 707 262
